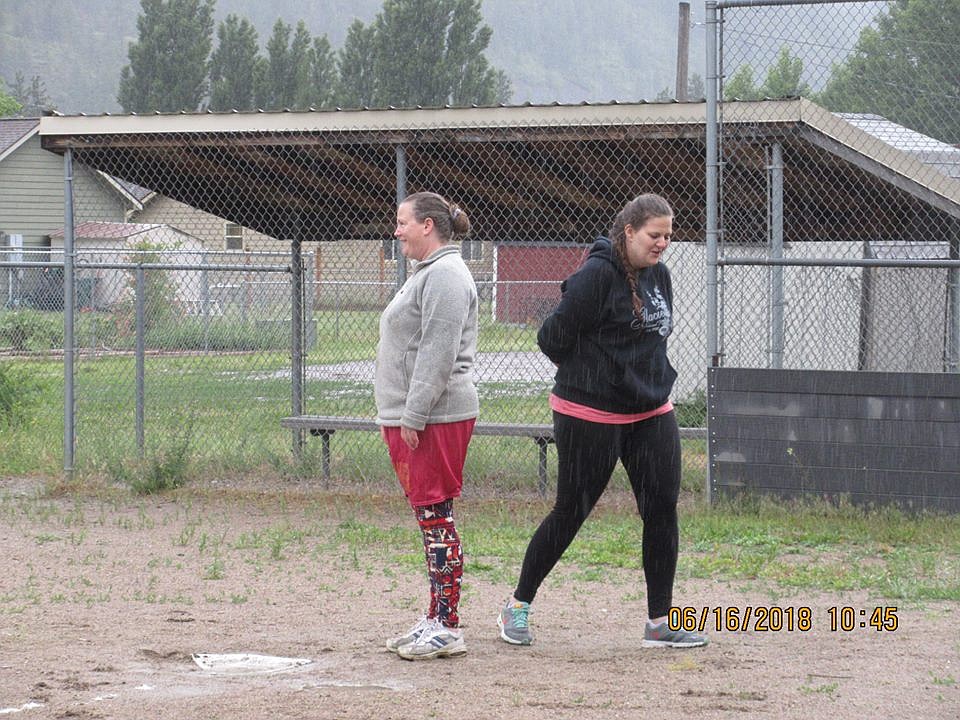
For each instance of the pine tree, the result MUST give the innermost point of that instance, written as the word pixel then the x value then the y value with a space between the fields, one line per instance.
pixel 741 85
pixel 33 98
pixel 783 78
pixel 169 61
pixel 278 89
pixel 300 60
pixel 408 55
pixel 323 74
pixel 356 80
pixel 234 66
pixel 429 53
pixel 473 80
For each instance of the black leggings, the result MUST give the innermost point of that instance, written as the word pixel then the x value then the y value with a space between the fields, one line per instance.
pixel 588 453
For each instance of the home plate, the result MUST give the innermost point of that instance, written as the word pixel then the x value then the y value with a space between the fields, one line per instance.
pixel 247 663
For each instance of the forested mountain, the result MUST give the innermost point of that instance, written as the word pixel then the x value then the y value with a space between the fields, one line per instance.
pixel 551 50
pixel 563 50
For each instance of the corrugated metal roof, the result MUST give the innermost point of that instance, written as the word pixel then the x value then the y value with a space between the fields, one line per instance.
pixel 940 155
pixel 243 184
pixel 390 108
pixel 381 119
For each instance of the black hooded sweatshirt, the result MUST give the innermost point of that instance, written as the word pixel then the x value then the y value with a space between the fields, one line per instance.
pixel 607 358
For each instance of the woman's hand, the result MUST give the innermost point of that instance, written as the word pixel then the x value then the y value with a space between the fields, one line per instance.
pixel 410 436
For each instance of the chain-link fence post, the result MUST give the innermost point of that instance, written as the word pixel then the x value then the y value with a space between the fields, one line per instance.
pixel 140 292
pixel 401 195
pixel 952 363
pixel 777 296
pixel 296 336
pixel 712 193
pixel 69 296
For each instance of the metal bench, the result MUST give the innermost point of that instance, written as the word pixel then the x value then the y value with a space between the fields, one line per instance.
pixel 326 425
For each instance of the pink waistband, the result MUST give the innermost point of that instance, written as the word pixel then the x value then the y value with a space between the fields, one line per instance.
pixel 584 412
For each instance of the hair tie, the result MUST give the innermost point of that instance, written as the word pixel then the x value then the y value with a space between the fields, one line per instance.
pixel 453 213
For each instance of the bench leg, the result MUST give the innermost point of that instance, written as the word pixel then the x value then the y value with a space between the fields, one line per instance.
pixel 542 469
pixel 324 435
pixel 298 442
pixel 325 455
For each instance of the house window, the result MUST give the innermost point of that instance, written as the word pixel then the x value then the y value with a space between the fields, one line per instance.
pixel 471 249
pixel 233 236
pixel 389 248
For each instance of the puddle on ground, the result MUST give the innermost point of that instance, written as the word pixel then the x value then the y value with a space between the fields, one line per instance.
pixel 233 664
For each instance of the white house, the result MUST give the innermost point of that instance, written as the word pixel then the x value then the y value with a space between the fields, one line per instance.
pixel 98 242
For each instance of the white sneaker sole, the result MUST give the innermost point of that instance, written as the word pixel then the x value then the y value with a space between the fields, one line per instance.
pixel 454 650
pixel 669 644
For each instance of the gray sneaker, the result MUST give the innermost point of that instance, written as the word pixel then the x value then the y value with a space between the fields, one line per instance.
pixel 662 636
pixel 514 623
pixel 411 635
pixel 435 641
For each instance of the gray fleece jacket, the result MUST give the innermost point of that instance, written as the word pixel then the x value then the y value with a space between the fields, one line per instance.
pixel 428 339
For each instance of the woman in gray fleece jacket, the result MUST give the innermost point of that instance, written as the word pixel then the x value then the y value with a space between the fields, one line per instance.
pixel 427 403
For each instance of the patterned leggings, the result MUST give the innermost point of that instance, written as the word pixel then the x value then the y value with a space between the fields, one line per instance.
pixel 441 545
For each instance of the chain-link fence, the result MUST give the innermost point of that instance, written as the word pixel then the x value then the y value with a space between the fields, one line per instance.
pixel 537 193
pixel 176 350
pixel 838 218
pixel 262 247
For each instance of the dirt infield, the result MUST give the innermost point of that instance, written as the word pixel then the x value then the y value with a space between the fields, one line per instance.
pixel 104 602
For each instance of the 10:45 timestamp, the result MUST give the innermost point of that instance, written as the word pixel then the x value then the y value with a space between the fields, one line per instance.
pixel 846 619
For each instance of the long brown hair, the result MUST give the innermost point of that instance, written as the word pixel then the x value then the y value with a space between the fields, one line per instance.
pixel 448 218
pixel 635 213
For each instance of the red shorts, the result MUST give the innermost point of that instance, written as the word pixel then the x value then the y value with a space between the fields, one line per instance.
pixel 434 471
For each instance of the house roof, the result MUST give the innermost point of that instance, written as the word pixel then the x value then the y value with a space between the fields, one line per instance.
pixel 14 132
pixel 134 194
pixel 535 172
pixel 134 190
pixel 97 230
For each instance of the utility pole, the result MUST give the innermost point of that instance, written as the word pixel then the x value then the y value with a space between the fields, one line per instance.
pixel 683 50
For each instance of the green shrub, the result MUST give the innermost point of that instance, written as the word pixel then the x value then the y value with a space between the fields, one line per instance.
pixel 18 395
pixel 30 330
pixel 692 411
pixel 166 469
pixel 194 333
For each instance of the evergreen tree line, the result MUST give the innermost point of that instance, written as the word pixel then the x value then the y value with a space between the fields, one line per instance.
pixel 414 53
pixel 906 69
pixel 431 52
pixel 25 99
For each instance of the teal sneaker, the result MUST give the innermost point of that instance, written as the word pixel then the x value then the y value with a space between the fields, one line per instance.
pixel 514 623
pixel 662 636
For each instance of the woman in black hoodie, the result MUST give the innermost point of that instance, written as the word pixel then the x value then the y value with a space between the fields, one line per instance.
pixel 611 401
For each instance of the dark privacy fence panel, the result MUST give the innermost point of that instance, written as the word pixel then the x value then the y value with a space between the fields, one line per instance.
pixel 870 437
